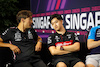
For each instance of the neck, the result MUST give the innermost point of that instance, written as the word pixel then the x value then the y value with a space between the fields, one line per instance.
pixel 61 31
pixel 21 27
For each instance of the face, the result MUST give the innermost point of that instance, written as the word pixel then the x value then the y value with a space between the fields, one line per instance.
pixel 28 22
pixel 56 24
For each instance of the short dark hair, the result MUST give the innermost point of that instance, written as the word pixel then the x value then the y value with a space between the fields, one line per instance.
pixel 23 14
pixel 58 16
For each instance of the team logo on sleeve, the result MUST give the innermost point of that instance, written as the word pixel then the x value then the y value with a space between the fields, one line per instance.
pixel 18 36
pixel 76 37
pixel 49 40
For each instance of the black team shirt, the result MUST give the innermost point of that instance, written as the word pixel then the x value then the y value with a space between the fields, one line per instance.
pixel 67 39
pixel 24 40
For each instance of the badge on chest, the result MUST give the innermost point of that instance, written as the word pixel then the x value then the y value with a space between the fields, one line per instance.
pixel 18 36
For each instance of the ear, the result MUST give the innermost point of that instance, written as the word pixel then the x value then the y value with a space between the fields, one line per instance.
pixel 22 19
pixel 62 21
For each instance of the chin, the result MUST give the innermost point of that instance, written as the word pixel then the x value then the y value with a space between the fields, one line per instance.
pixel 57 29
pixel 28 27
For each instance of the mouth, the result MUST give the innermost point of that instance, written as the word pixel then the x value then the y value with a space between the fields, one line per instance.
pixel 56 27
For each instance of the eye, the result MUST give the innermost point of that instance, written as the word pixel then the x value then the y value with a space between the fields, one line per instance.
pixel 52 23
pixel 56 21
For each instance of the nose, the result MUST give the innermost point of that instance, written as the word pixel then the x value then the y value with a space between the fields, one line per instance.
pixel 55 25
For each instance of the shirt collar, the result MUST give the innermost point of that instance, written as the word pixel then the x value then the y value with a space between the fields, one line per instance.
pixel 61 34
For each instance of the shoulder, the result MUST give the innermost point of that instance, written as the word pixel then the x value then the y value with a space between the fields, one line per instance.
pixel 92 32
pixel 95 28
pixel 72 33
pixel 8 30
pixel 52 35
pixel 13 29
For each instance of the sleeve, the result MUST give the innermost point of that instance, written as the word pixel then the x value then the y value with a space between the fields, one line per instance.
pixel 50 41
pixel 75 38
pixel 92 34
pixel 6 35
pixel 35 36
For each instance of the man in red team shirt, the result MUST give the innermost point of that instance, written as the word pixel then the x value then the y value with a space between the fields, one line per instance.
pixel 63 45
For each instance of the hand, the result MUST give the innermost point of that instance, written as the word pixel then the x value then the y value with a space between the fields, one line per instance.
pixel 38 47
pixel 15 48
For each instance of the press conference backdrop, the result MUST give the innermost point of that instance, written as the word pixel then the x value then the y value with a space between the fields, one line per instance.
pixel 79 16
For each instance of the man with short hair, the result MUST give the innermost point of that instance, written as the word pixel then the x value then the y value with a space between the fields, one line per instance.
pixel 93 44
pixel 63 45
pixel 23 41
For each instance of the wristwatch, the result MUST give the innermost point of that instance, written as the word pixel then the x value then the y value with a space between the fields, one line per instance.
pixel 61 48
pixel 40 41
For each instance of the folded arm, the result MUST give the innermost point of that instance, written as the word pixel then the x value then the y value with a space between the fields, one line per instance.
pixel 55 51
pixel 92 44
pixel 72 48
